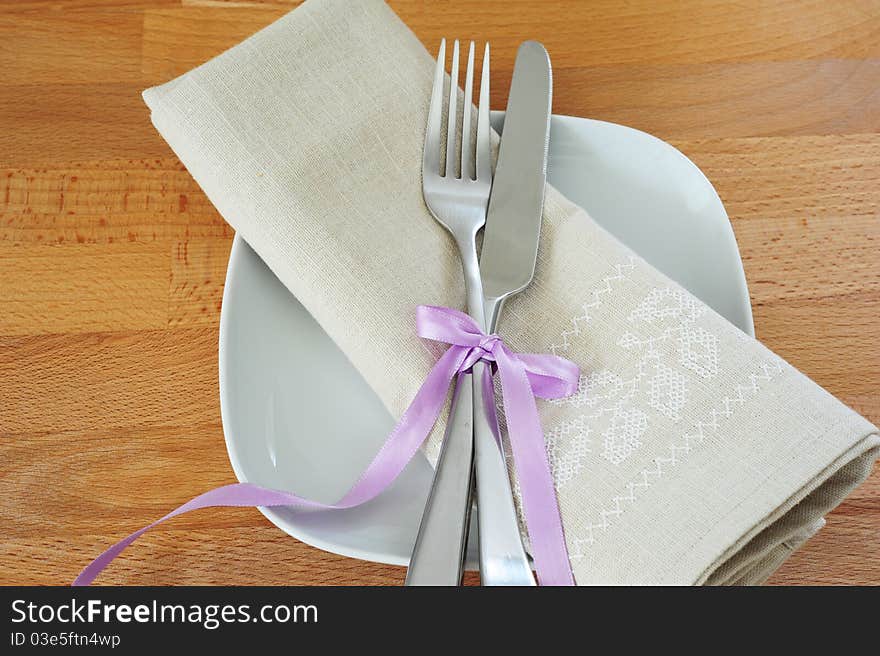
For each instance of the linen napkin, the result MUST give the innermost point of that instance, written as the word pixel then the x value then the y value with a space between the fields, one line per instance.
pixel 690 454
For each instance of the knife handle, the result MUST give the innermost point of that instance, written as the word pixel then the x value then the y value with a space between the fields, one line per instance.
pixel 503 560
pixel 441 544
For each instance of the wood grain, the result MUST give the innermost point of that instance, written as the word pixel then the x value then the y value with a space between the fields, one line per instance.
pixel 112 260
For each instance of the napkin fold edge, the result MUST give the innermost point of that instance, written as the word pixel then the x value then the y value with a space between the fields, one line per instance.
pixel 789 524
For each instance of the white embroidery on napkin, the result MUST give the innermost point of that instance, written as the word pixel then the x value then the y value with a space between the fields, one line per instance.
pixel 668 392
pixel 623 435
pixel 678 452
pixel 678 312
pixel 674 348
pixel 615 400
pixel 567 446
pixel 596 296
pixel 608 397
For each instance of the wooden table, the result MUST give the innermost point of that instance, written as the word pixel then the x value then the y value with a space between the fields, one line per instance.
pixel 112 260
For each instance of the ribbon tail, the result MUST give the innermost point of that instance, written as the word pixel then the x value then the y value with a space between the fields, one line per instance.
pixel 398 449
pixel 539 502
pixel 235 495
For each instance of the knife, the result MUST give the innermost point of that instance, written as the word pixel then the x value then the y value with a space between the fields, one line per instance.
pixel 507 265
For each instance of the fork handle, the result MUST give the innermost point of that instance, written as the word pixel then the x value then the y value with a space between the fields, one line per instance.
pixel 441 544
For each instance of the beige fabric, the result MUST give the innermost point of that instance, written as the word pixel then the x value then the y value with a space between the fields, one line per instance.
pixel 691 453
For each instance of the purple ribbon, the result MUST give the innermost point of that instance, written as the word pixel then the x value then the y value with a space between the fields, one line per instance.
pixel 524 376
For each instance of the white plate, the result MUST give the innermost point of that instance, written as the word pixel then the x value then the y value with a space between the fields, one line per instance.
pixel 282 379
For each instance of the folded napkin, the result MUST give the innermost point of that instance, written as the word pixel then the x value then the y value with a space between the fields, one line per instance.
pixel 691 454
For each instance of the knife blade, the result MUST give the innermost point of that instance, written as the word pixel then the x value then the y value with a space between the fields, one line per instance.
pixel 507 265
pixel 513 223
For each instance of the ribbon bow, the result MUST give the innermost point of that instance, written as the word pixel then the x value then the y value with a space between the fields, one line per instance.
pixel 524 376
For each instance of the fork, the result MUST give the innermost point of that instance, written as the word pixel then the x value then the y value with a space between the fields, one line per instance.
pixel 456 192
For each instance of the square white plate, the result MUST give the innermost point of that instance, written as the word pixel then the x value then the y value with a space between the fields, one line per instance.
pixel 297 416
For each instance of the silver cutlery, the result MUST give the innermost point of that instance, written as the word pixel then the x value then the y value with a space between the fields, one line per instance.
pixel 461 201
pixel 457 193
pixel 507 265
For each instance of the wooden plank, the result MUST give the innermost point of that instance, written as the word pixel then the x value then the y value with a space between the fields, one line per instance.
pixel 799 176
pixel 198 272
pixel 105 201
pixel 82 288
pixel 831 340
pixel 609 32
pixel 40 46
pixel 78 382
pixel 817 96
pixel 807 259
pixel 63 122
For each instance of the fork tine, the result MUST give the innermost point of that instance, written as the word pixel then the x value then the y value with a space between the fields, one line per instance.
pixel 484 145
pixel 451 132
pixel 431 153
pixel 467 156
